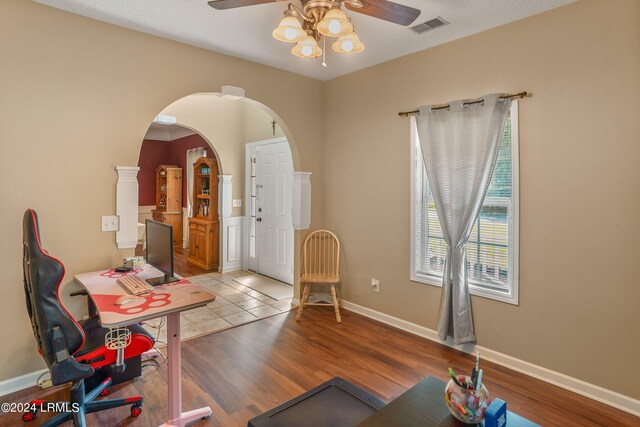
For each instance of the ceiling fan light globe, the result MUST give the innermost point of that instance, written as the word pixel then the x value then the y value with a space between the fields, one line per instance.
pixel 289 30
pixel 290 34
pixel 334 24
pixel 349 43
pixel 307 48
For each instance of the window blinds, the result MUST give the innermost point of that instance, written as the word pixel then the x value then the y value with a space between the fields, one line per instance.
pixel 489 249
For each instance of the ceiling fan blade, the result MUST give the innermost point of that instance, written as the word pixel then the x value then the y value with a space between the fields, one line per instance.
pixel 232 4
pixel 387 10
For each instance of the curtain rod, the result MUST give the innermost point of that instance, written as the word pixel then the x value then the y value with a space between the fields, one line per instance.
pixel 442 107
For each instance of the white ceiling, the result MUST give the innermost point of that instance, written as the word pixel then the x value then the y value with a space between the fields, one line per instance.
pixel 246 32
pixel 159 132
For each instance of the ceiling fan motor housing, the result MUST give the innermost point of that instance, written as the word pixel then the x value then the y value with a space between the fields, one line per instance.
pixel 315 10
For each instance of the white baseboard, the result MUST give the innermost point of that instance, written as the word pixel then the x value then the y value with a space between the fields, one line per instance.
pixel 20 383
pixel 129 244
pixel 592 391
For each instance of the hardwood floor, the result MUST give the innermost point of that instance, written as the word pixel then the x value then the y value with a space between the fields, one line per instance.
pixel 183 267
pixel 247 370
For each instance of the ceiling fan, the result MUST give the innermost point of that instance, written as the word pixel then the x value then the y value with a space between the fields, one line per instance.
pixel 326 18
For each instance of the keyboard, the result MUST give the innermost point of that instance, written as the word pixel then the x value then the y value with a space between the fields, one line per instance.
pixel 134 285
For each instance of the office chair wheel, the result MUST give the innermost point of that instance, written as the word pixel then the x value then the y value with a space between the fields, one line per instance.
pixel 136 410
pixel 29 416
pixel 105 392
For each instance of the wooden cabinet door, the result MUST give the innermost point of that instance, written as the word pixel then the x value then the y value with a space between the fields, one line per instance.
pixel 214 258
pixel 198 247
pixel 175 221
pixel 193 249
pixel 174 190
pixel 203 244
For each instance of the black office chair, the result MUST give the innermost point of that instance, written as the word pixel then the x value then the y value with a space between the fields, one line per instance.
pixel 72 350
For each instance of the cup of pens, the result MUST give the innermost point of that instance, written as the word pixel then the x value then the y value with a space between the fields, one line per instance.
pixel 467 398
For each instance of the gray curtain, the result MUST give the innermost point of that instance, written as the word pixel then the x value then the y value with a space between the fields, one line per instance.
pixel 460 147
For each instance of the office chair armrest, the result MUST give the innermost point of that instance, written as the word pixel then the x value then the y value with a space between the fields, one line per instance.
pixel 91 307
pixel 65 368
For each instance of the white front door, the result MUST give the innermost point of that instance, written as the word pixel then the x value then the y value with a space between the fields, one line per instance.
pixel 273 216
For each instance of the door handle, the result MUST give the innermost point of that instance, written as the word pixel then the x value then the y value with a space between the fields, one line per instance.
pixel 259 219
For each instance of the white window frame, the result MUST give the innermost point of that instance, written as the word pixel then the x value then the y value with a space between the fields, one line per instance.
pixel 509 296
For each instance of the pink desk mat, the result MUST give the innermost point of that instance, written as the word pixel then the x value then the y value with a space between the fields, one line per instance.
pixel 164 299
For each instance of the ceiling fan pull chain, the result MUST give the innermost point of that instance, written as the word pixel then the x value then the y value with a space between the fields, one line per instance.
pixel 324 51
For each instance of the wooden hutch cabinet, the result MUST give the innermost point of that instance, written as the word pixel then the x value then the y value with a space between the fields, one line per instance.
pixel 204 226
pixel 169 199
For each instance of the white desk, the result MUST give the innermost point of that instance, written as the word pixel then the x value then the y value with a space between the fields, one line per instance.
pixel 165 300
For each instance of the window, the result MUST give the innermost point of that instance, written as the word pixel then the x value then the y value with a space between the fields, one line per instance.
pixel 492 249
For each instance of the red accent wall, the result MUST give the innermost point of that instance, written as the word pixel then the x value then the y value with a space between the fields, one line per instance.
pixel 155 153
pixel 152 154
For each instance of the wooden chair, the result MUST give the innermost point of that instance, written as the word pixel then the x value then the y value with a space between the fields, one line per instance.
pixel 320 265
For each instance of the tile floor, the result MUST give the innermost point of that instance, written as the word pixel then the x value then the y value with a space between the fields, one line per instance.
pixel 235 304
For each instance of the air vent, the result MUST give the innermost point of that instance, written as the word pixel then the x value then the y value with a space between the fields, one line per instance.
pixel 429 25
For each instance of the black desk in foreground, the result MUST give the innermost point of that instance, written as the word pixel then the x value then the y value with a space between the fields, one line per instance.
pixel 423 405
pixel 335 403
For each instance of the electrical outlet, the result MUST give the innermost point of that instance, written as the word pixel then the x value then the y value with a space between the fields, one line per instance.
pixel 375 285
pixel 110 223
pixel 237 203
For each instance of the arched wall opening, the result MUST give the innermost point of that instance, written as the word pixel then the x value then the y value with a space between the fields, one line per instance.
pixel 227 126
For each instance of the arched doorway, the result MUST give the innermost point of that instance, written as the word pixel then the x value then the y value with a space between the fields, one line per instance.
pixel 227 127
pixel 166 186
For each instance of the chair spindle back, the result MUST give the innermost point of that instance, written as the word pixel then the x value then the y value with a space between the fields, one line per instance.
pixel 321 254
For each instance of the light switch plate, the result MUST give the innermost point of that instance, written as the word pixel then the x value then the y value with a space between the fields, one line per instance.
pixel 237 203
pixel 110 223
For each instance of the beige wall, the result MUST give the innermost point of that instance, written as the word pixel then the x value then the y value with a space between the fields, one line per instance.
pixel 220 121
pixel 76 98
pixel 579 184
pixel 256 124
pixel 227 125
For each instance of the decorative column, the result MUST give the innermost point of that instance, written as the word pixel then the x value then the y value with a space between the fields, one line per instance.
pixel 301 200
pixel 225 198
pixel 230 229
pixel 127 206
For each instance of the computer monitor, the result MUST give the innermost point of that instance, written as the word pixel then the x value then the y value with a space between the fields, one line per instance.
pixel 160 251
